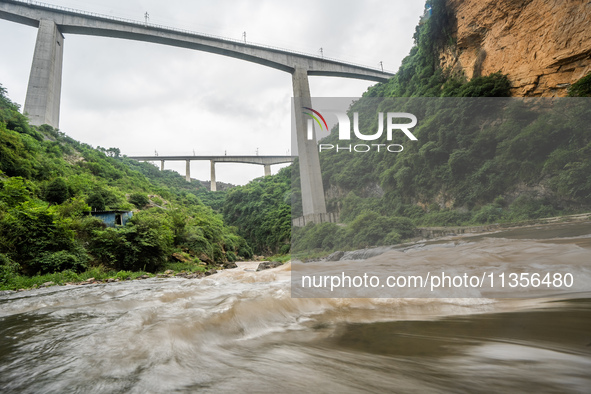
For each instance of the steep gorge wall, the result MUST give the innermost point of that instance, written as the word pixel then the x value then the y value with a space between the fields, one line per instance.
pixel 543 45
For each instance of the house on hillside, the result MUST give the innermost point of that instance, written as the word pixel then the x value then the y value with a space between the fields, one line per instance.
pixel 113 218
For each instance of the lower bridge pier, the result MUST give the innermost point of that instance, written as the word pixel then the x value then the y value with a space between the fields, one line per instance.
pixel 213 186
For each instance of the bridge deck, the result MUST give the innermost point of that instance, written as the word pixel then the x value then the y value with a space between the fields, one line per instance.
pixel 263 160
pixel 79 22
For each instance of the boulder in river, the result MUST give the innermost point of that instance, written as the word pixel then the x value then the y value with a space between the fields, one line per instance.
pixel 336 256
pixel 265 265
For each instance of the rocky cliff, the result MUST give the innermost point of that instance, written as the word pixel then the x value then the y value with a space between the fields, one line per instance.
pixel 543 45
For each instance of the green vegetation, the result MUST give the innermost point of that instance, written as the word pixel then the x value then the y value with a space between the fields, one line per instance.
pixel 140 200
pixel 282 258
pixel 476 161
pixel 14 280
pixel 420 74
pixel 581 88
pixel 261 210
pixel 471 169
pixel 367 229
pixel 49 184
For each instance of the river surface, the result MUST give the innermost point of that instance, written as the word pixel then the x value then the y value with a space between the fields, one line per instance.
pixel 241 331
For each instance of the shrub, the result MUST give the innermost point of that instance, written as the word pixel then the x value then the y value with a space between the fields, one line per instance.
pixel 102 198
pixel 8 269
pixel 59 261
pixel 143 244
pixel 33 231
pixel 123 275
pixel 371 229
pixel 488 214
pixel 96 201
pixel 57 191
pixel 14 191
pixel 140 200
pixel 581 88
pixel 525 207
pixel 493 85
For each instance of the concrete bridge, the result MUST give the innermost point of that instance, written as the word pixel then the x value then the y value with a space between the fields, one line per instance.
pixel 42 102
pixel 266 161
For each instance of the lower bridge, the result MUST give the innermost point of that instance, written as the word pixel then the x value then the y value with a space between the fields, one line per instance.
pixel 266 161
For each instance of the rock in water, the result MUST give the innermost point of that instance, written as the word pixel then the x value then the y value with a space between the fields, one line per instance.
pixel 265 265
pixel 336 256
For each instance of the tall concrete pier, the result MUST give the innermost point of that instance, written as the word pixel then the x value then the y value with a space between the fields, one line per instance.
pixel 43 94
pixel 42 103
pixel 313 202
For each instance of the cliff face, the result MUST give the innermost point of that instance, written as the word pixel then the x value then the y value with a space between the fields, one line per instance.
pixel 543 45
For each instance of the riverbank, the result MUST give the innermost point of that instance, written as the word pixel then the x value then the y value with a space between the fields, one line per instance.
pixel 424 234
pixel 99 275
pixel 436 232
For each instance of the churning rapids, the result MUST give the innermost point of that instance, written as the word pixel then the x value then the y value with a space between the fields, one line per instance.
pixel 240 331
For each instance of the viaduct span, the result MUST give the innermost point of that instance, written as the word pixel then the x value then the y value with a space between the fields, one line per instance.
pixel 42 103
pixel 266 161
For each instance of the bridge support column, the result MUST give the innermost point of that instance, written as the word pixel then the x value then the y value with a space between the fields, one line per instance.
pixel 42 103
pixel 188 171
pixel 213 187
pixel 161 165
pixel 267 169
pixel 313 202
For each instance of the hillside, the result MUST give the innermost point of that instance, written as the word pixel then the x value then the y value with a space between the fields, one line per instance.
pixel 476 161
pixel 49 184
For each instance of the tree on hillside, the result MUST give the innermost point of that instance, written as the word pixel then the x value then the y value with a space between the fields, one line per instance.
pixel 57 191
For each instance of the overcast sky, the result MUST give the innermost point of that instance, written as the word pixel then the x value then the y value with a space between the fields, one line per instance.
pixel 143 97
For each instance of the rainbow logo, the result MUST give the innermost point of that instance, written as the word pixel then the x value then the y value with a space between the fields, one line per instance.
pixel 315 118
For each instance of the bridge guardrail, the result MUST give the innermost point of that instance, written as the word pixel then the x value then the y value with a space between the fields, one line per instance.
pixel 189 32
